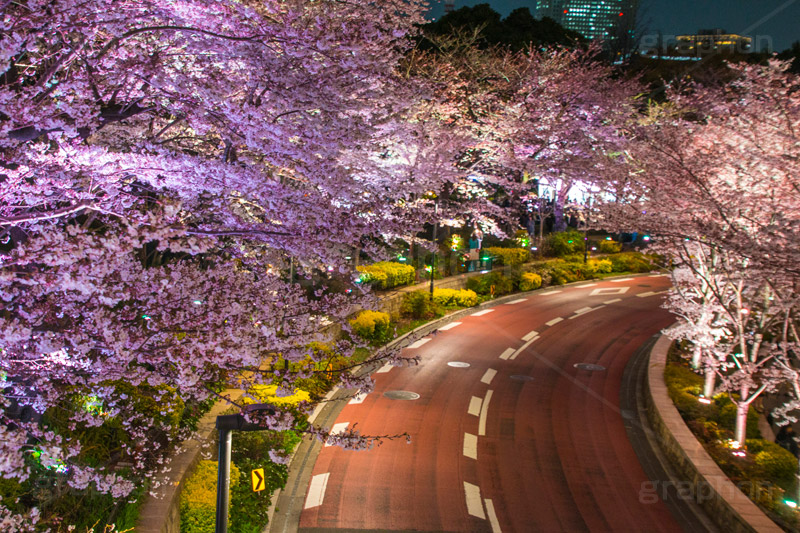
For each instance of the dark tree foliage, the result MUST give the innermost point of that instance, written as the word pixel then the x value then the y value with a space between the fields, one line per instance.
pixel 517 31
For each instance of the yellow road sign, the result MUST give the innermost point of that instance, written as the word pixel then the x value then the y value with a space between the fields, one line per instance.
pixel 258 480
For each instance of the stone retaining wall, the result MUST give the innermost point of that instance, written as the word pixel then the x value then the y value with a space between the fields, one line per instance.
pixel 724 503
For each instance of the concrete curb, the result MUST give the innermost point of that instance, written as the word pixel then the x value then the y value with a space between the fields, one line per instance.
pixel 722 500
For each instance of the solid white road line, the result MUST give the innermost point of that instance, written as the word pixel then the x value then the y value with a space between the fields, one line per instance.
pixel 645 294
pixel 517 301
pixel 474 504
pixel 358 398
pixel 336 429
pixel 554 321
pixel 451 325
pixel 471 445
pixel 474 408
pixel 530 335
pixel 609 302
pixel 484 412
pixel 619 280
pixel 522 348
pixel 385 368
pixel 492 516
pixel 316 490
pixel 488 376
pixel 419 343
pixel 506 353
pixel 481 313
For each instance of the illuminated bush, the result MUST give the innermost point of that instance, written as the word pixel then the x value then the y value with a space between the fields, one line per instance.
pixel 460 297
pixel 386 274
pixel 508 256
pixel 530 281
pixel 199 497
pixel 602 266
pixel 609 247
pixel 373 326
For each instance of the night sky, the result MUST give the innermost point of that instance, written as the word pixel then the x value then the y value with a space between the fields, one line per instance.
pixel 774 23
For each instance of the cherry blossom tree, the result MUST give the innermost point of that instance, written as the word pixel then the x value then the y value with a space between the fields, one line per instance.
pixel 162 163
pixel 713 173
pixel 562 121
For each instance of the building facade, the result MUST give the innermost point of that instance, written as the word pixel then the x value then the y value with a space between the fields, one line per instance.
pixel 606 20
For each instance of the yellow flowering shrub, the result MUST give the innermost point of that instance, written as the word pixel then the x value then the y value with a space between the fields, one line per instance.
pixel 386 274
pixel 530 281
pixel 199 498
pixel 508 256
pixel 373 326
pixel 461 297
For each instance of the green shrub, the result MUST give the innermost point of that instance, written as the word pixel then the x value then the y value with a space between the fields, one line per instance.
pixel 561 272
pixel 460 297
pixel 630 262
pixel 372 326
pixel 530 281
pixel 418 305
pixel 601 266
pixel 199 497
pixel 775 463
pixel 508 256
pixel 609 247
pixel 483 284
pixel 386 274
pixel 564 243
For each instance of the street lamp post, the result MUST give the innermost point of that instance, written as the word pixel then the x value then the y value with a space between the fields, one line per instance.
pixel 226 425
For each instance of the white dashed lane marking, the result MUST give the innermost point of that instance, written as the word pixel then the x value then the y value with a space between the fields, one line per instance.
pixel 530 335
pixel 419 343
pixel 554 321
pixel 471 445
pixel 474 408
pixel 316 490
pixel 615 300
pixel 358 398
pixel 481 313
pixel 507 353
pixel 385 368
pixel 451 325
pixel 474 503
pixel 488 376
pixel 336 429
pixel 517 301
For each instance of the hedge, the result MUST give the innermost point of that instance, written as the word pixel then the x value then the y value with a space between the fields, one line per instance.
pixel 386 275
pixel 530 281
pixel 609 247
pixel 483 284
pixel 372 326
pixel 460 297
pixel 417 304
pixel 199 497
pixel 508 256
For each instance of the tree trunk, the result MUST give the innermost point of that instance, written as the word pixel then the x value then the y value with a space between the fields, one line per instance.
pixel 559 224
pixel 709 382
pixel 740 434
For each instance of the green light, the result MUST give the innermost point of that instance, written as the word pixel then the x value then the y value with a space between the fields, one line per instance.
pixel 401 258
pixel 790 503
pixel 569 242
pixel 146 317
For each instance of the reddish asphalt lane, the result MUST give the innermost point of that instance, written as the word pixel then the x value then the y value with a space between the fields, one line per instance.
pixel 520 440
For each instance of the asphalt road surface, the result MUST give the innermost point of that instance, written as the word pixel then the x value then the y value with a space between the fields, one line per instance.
pixel 515 420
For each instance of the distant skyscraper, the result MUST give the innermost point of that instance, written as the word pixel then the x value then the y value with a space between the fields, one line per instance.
pixel 608 20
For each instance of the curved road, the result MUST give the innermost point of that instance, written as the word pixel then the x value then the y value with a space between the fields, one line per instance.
pixel 507 433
